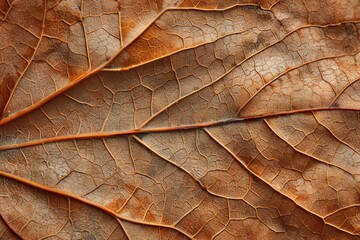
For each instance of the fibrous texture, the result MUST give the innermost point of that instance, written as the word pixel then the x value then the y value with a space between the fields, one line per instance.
pixel 180 119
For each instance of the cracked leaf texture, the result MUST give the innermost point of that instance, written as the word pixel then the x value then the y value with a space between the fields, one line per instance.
pixel 180 119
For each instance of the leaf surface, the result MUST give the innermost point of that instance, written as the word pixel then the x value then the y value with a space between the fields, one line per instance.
pixel 180 119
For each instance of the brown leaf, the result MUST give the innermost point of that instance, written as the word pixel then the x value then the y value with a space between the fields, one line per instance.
pixel 177 119
pixel 6 232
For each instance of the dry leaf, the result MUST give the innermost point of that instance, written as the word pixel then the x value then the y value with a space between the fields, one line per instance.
pixel 180 119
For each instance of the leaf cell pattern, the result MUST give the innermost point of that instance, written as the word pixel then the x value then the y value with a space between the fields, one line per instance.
pixel 180 119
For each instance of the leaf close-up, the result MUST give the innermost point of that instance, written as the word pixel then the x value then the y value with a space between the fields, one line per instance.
pixel 180 119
